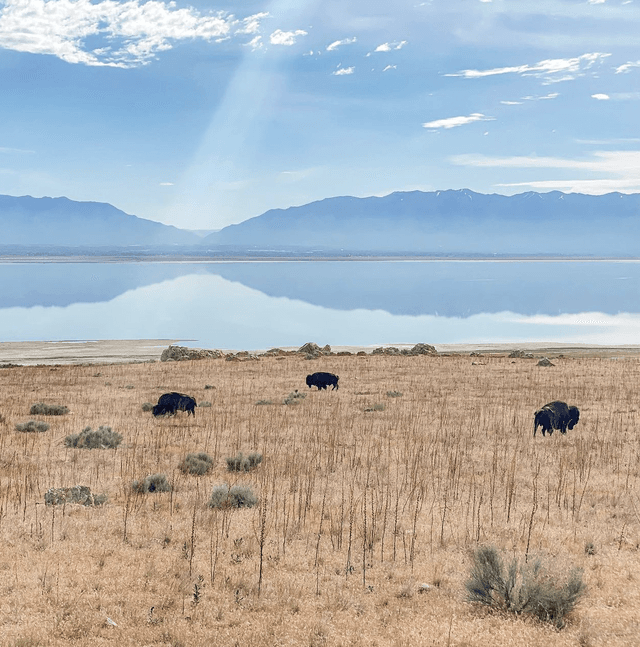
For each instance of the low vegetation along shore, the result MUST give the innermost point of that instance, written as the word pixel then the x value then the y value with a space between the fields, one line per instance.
pixel 412 506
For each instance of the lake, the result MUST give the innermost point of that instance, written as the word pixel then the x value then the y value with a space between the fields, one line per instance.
pixel 261 304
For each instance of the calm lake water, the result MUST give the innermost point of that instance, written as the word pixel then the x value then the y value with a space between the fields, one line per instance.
pixel 258 305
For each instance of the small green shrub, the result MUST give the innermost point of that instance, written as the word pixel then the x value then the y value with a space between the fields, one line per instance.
pixel 41 409
pixel 204 403
pixel 394 394
pixel 590 548
pixel 147 406
pixel 376 407
pixel 102 438
pixel 242 463
pixel 32 425
pixel 523 588
pixel 236 496
pixel 209 386
pixel 261 402
pixel 198 464
pixel 295 397
pixel 152 483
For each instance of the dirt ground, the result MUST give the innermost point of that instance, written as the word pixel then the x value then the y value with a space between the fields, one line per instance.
pixel 31 353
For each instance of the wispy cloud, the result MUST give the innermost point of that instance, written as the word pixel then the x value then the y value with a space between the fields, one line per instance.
pixel 130 33
pixel 511 103
pixel 166 184
pixel 454 122
pixel 343 71
pixel 338 43
pixel 552 70
pixel 601 97
pixel 390 67
pixel 546 97
pixel 287 38
pixel 21 151
pixel 621 167
pixel 627 67
pixel 388 47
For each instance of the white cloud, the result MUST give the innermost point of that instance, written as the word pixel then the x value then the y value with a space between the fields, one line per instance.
pixel 453 122
pixel 166 184
pixel 255 43
pixel 552 70
pixel 387 47
pixel 621 69
pixel 551 95
pixel 132 32
pixel 287 38
pixel 597 1
pixel 511 103
pixel 338 43
pixel 251 24
pixel 342 71
pixel 621 167
pixel 390 67
pixel 601 97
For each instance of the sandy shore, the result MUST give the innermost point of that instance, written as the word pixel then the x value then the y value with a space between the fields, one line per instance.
pixel 146 350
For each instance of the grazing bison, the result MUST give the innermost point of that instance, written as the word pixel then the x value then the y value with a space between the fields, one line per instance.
pixel 556 415
pixel 169 403
pixel 322 380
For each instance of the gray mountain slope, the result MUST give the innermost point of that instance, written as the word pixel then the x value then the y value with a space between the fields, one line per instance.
pixel 59 221
pixel 451 221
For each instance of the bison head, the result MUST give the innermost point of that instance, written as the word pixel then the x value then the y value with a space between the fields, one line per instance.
pixel 574 416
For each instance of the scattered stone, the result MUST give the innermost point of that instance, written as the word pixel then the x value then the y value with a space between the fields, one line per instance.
pixel 423 349
pixel 521 354
pixel 80 494
pixel 424 588
pixel 545 362
pixel 386 350
pixel 475 353
pixel 182 353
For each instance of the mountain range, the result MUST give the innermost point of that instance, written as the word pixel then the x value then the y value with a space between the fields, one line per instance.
pixel 439 222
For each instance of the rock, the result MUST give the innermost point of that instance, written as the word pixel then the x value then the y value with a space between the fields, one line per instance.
pixel 424 588
pixel 545 362
pixel 80 494
pixel 182 353
pixel 388 350
pixel 516 353
pixel 423 349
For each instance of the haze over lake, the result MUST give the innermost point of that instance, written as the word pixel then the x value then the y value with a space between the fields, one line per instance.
pixel 260 304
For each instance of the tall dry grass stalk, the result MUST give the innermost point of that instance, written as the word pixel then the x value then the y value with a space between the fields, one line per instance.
pixel 354 508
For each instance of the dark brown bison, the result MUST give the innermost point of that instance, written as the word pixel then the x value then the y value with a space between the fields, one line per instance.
pixel 169 403
pixel 322 380
pixel 555 415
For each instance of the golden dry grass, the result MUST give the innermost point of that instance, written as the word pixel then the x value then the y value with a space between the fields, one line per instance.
pixel 357 509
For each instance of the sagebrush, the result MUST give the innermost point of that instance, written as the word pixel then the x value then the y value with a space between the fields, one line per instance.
pixel 102 438
pixel 521 587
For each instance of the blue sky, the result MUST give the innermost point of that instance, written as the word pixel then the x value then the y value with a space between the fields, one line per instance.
pixel 203 114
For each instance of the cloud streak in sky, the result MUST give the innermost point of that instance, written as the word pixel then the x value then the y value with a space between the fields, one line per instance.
pixel 552 70
pixel 454 122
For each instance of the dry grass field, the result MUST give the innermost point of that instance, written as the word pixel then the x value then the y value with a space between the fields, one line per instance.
pixel 357 510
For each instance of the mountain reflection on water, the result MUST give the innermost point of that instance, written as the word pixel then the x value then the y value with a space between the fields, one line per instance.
pixel 263 304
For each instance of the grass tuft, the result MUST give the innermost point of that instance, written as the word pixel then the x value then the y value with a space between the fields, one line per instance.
pixel 152 483
pixel 102 438
pixel 32 425
pixel 198 464
pixel 41 409
pixel 236 496
pixel 242 463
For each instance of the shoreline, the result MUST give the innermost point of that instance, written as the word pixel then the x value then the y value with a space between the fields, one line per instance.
pixel 126 351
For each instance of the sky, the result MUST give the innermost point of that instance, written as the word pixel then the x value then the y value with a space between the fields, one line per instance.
pixel 203 114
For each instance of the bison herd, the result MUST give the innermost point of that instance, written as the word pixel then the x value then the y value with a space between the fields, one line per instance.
pixel 554 415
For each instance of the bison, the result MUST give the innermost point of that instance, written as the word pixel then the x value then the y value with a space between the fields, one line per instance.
pixel 555 415
pixel 169 403
pixel 322 380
